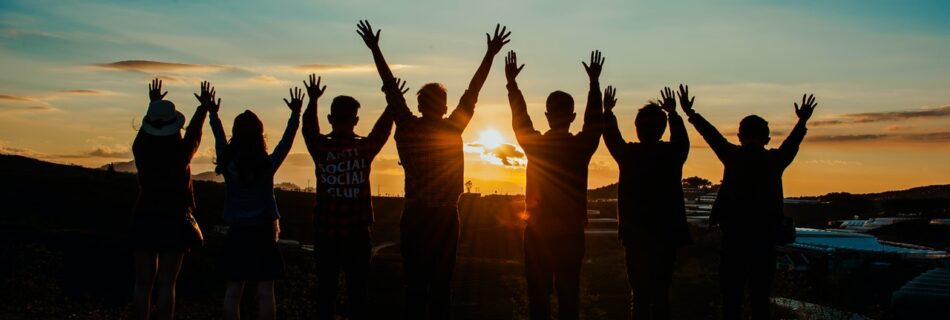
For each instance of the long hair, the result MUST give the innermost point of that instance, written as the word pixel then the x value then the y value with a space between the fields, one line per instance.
pixel 247 150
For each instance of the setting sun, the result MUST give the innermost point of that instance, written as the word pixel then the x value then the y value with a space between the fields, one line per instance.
pixel 490 139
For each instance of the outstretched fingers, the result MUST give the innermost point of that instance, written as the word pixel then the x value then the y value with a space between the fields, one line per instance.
pixel 610 98
pixel 401 86
pixel 686 102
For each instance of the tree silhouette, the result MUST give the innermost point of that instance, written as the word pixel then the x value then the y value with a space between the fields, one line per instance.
pixel 696 183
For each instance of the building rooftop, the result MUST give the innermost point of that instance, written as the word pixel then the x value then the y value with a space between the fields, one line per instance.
pixel 831 241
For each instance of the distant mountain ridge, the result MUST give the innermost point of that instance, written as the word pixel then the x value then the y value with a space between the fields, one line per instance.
pixel 940 191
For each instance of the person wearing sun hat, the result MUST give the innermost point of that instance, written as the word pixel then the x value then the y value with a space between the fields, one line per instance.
pixel 163 229
pixel 162 119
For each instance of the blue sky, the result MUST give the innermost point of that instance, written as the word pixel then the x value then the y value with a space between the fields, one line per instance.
pixel 63 99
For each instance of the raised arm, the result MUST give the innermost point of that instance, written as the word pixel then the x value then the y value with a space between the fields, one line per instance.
pixel 393 91
pixel 612 136
pixel 678 136
pixel 384 125
pixel 365 30
pixel 192 138
pixel 594 114
pixel 466 107
pixel 520 120
pixel 207 98
pixel 713 137
pixel 789 147
pixel 287 140
pixel 311 121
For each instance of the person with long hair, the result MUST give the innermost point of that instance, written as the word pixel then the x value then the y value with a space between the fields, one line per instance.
pixel 163 229
pixel 250 250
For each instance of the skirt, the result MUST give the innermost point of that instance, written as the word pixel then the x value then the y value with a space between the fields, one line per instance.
pixel 251 254
pixel 164 232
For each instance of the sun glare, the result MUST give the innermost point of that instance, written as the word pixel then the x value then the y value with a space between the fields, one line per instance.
pixel 490 139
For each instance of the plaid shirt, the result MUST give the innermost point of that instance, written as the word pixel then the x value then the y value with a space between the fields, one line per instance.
pixel 430 151
pixel 556 177
pixel 344 202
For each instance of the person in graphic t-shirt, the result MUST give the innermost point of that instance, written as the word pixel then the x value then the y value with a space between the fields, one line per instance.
pixel 344 209
pixel 430 150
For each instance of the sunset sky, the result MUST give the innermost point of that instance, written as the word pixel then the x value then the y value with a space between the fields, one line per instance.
pixel 74 75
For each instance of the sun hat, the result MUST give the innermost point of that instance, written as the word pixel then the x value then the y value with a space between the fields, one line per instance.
pixel 162 119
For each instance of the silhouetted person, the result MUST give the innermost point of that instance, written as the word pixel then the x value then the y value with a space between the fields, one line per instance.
pixel 748 207
pixel 163 228
pixel 250 250
pixel 556 193
pixel 650 199
pixel 430 151
pixel 344 208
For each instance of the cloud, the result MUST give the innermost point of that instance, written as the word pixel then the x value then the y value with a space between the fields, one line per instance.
pixel 28 109
pixel 107 152
pixel 343 68
pixel 16 33
pixel 834 162
pixel 7 97
pixel 899 128
pixel 845 137
pixel 118 152
pixel 88 92
pixel 939 136
pixel 265 79
pixel 504 154
pixel 149 66
pixel 869 117
pixel 4 149
pixel 509 155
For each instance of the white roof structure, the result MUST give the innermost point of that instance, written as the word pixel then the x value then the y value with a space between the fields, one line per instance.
pixel 832 241
pixel 872 223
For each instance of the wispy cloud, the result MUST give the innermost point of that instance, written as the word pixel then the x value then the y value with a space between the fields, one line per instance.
pixel 8 150
pixel 834 162
pixel 29 109
pixel 939 136
pixel 343 68
pixel 160 66
pixel 8 97
pixel 107 152
pixel 870 117
pixel 88 92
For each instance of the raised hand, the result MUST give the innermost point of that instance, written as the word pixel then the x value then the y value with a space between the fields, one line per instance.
pixel 296 99
pixel 155 90
pixel 610 99
pixel 401 85
pixel 313 88
pixel 668 100
pixel 808 106
pixel 365 30
pixel 511 66
pixel 500 39
pixel 596 65
pixel 207 97
pixel 397 84
pixel 686 102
